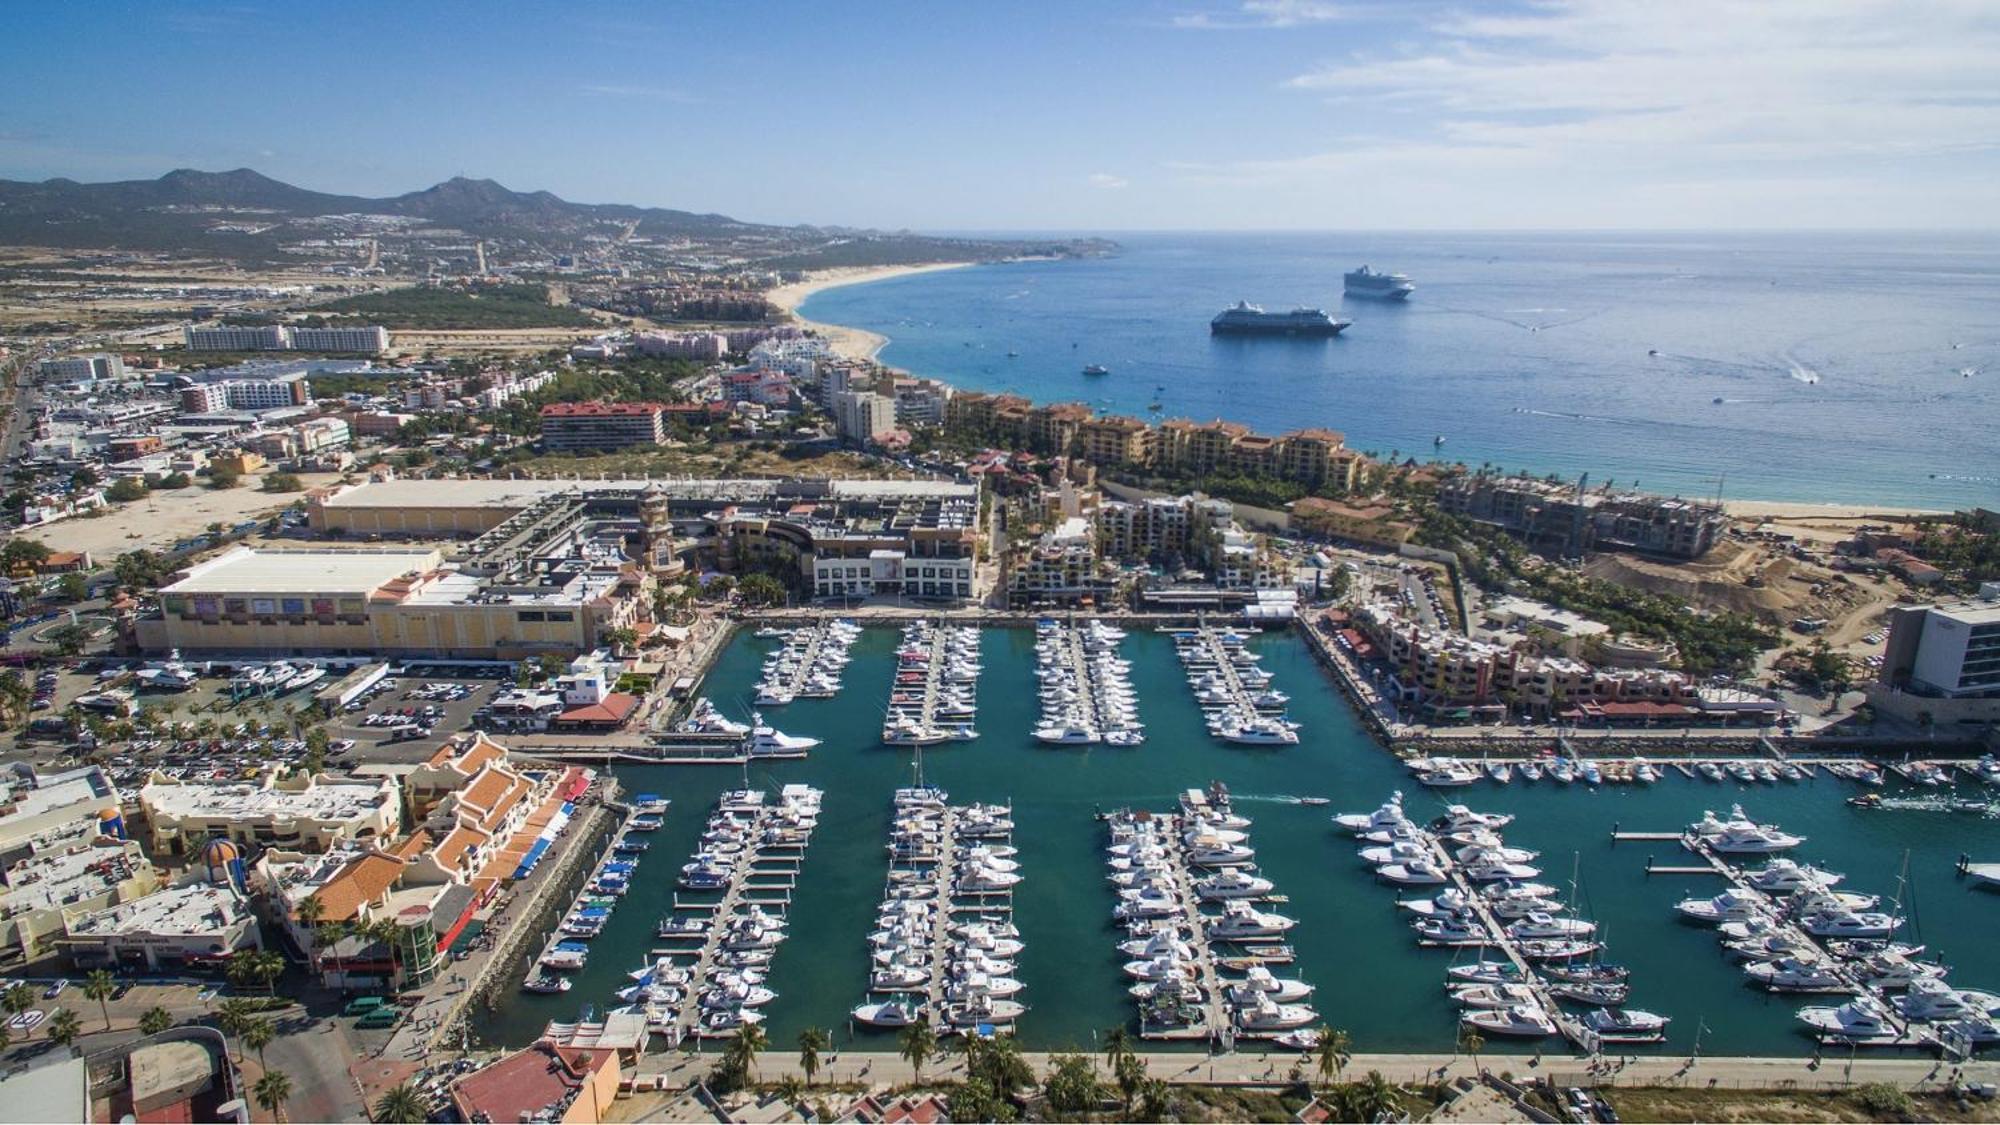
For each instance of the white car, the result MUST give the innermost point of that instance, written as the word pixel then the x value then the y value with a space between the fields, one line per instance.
pixel 55 989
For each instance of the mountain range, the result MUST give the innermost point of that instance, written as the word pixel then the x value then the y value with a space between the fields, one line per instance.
pixel 246 215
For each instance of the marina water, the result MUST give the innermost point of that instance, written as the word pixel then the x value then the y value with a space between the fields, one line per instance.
pixel 1832 356
pixel 1352 942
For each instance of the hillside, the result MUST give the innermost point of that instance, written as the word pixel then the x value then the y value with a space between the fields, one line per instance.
pixel 245 216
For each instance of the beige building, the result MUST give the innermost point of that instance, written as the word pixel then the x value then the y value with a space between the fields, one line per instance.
pixel 299 811
pixel 89 872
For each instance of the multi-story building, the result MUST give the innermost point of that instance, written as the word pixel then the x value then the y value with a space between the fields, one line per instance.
pixel 369 340
pixel 196 926
pixel 97 368
pixel 1571 520
pixel 1949 650
pixel 1153 528
pixel 1198 448
pixel 307 439
pixel 863 416
pixel 237 338
pixel 576 427
pixel 1062 567
pixel 922 402
pixel 88 870
pixel 705 347
pixel 39 810
pixel 1372 524
pixel 1316 457
pixel 306 812
pixel 275 389
pixel 767 388
pixel 1115 441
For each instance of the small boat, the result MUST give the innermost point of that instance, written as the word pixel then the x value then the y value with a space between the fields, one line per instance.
pixel 1096 369
pixel 888 1013
pixel 1627 1025
pixel 546 984
pixel 1525 1021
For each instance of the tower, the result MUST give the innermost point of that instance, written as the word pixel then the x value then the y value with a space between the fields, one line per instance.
pixel 655 531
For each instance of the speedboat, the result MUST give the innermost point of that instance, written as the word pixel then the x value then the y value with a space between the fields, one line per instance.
pixel 1526 1021
pixel 1483 972
pixel 1860 1020
pixel 1261 982
pixel 546 984
pixel 1795 975
pixel 1266 1014
pixel 1730 906
pixel 1390 813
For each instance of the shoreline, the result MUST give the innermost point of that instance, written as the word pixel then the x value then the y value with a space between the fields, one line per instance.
pixel 853 343
pixel 859 343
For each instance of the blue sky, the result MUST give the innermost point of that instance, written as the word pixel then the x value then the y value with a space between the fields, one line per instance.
pixel 1203 114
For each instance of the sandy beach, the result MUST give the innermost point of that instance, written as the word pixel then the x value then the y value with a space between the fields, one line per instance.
pixel 1778 510
pixel 851 342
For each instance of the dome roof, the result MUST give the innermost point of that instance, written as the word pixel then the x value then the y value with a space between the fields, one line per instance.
pixel 218 852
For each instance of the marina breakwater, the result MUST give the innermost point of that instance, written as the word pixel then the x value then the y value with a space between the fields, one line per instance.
pixel 1351 941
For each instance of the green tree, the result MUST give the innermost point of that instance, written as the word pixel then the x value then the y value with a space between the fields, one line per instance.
pixel 124 490
pixel 1071 1086
pixel 976 1100
pixel 272 1091
pixel 761 590
pixel 72 587
pixel 1335 1047
pixel 22 554
pixel 1130 1074
pixel 812 1041
pixel 18 998
pixel 155 1020
pixel 233 1015
pixel 1154 1101
pixel 224 476
pixel 64 1027
pixel 1473 1042
pixel 256 967
pixel 790 1089
pixel 1371 1099
pixel 753 1039
pixel 257 1036
pixel 916 1045
pixel 402 1105
pixel 69 638
pixel 283 482
pixel 99 986
pixel 175 480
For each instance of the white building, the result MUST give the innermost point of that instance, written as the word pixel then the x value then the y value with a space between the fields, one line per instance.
pixel 1951 649
pixel 298 811
pixel 863 416
pixel 237 338
pixel 888 570
pixel 181 927
pixel 922 402
pixel 1061 567
pixel 100 367
pixel 370 339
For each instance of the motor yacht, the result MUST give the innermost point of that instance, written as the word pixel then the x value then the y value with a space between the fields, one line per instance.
pixel 1739 835
pixel 1523 1021
pixel 1540 924
pixel 1494 995
pixel 1840 923
pixel 1419 873
pixel 1261 982
pixel 1784 875
pixel 1266 1014
pixel 1391 813
pixel 1483 972
pixel 1793 974
pixel 1240 920
pixel 1732 905
pixel 1861 1020
pixel 1627 1025
pixel 1606 992
pixel 1233 883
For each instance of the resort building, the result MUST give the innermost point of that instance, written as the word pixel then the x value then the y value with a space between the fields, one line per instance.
pixel 1950 650
pixel 354 886
pixel 1115 441
pixel 1372 525
pixel 197 926
pixel 1568 519
pixel 100 367
pixel 299 811
pixel 237 338
pixel 1061 568
pixel 863 416
pixel 370 339
pixel 922 402
pixel 599 427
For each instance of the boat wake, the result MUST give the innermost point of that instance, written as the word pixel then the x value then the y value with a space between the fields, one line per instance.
pixel 1801 372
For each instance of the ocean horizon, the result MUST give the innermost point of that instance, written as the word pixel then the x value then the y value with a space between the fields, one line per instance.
pixel 1782 366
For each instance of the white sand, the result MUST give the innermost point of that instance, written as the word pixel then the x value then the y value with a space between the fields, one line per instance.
pixel 855 343
pixel 1774 510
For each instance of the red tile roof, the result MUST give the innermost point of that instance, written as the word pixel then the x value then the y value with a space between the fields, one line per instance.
pixel 599 409
pixel 616 708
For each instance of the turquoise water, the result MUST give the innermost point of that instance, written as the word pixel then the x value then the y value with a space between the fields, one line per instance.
pixel 1817 367
pixel 1352 942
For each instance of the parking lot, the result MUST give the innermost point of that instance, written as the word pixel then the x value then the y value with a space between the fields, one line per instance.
pixel 414 707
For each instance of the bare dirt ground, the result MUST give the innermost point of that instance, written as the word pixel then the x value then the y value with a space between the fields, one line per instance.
pixel 169 515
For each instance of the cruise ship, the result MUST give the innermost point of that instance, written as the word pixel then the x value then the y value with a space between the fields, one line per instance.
pixel 1246 319
pixel 1365 282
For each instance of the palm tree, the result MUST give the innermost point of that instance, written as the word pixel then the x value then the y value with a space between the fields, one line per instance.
pixel 790 1089
pixel 916 1044
pixel 754 1039
pixel 273 1091
pixel 812 1041
pixel 155 1020
pixel 63 1026
pixel 6 1039
pixel 99 986
pixel 257 1036
pixel 1154 1095
pixel 1333 1051
pixel 1473 1042
pixel 1117 1044
pixel 16 999
pixel 1370 1099
pixel 401 1104
pixel 310 912
pixel 233 1016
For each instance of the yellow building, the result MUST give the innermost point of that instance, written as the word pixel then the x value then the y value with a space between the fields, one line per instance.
pixel 1115 440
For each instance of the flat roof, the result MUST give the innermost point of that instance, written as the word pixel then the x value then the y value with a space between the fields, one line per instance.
pixel 1973 612
pixel 201 908
pixel 524 493
pixel 246 571
pixel 324 801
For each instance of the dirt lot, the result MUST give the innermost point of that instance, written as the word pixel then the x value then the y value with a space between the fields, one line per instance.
pixel 1658 1103
pixel 169 515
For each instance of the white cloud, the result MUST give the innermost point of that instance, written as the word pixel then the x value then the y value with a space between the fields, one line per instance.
pixel 1250 14
pixel 1105 181
pixel 655 93
pixel 1596 99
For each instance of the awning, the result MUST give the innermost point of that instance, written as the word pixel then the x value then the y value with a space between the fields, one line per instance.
pixel 529 861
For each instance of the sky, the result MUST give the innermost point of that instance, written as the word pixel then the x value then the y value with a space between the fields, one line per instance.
pixel 1094 116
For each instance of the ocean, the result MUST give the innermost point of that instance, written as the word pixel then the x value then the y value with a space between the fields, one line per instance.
pixel 1352 942
pixel 1788 367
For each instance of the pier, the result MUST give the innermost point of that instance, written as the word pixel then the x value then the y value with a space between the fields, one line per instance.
pixel 808 664
pixel 1229 686
pixel 1085 694
pixel 931 697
